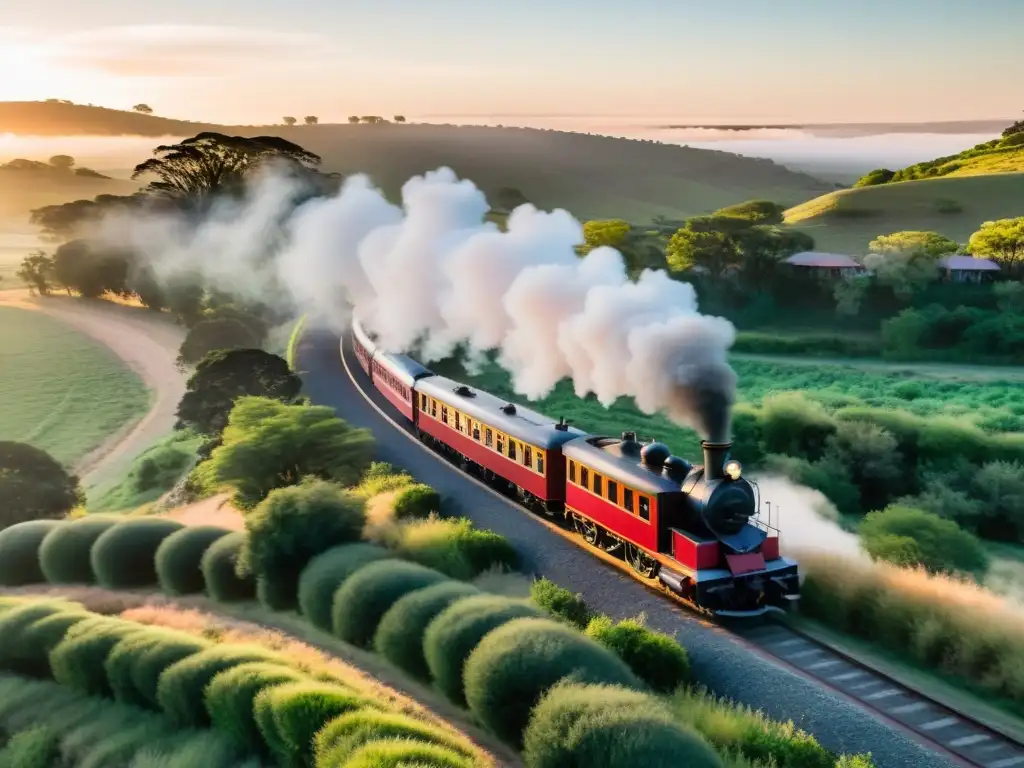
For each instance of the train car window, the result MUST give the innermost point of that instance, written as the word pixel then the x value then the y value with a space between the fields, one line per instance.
pixel 584 477
pixel 540 462
pixel 458 421
pixel 476 432
pixel 444 413
pixel 645 508
pixel 627 499
pixel 527 456
pixel 572 471
pixel 613 492
pixel 423 401
pixel 512 449
pixel 597 483
pixel 433 408
pixel 488 437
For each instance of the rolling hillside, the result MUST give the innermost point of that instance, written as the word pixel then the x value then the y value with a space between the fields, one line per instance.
pixel 847 220
pixel 592 176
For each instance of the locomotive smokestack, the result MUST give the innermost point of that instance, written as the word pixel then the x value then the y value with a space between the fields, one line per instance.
pixel 715 455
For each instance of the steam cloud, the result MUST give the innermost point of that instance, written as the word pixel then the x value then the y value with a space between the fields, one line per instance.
pixel 434 273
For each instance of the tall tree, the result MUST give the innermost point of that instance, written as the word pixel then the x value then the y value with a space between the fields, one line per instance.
pixel 288 120
pixel 37 270
pixel 912 241
pixel 211 335
pixel 1017 127
pixel 399 118
pixel 353 119
pixel 1003 242
pixel 80 266
pixel 33 486
pixel 713 251
pixel 143 109
pixel 63 162
pixel 311 119
pixel 209 163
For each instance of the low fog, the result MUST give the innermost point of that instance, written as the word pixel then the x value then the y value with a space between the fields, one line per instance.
pixel 434 274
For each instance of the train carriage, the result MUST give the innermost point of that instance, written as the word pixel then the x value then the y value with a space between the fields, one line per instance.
pixel 504 440
pixel 363 345
pixel 395 377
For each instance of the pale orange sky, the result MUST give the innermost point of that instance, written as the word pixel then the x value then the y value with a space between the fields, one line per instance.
pixel 785 61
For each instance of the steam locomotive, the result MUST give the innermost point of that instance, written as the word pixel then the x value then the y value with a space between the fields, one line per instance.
pixel 696 529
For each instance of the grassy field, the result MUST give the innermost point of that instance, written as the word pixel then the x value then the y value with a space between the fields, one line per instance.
pixel 59 390
pixel 995 405
pixel 151 475
pixel 847 220
pixel 592 176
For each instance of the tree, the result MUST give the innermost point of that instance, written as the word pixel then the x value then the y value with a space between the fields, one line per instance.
pixel 755 211
pixel 311 119
pixel 1003 242
pixel 78 266
pixel 763 248
pixel 373 119
pixel 399 118
pixel 253 322
pixel 711 251
pixel 33 486
pixel 209 163
pixel 1017 127
pixel 353 119
pixel 908 536
pixel 289 120
pixel 608 232
pixel 37 270
pixel 268 444
pixel 212 335
pixel 222 377
pixel 914 242
pixel 143 109
pixel 875 177
pixel 63 162
pixel 64 221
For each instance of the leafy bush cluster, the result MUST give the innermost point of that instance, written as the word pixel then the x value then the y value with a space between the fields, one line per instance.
pixel 970 334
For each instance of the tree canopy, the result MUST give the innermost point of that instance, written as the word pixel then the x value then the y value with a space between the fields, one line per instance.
pixel 508 198
pixel 607 232
pixel 1015 128
pixel 64 162
pixel 218 333
pixel 925 243
pixel 37 270
pixel 222 377
pixel 875 177
pixel 911 537
pixel 1003 242
pixel 33 485
pixel 311 119
pixel 269 444
pixel 80 266
pixel 755 211
pixel 143 109
pixel 209 163
pixel 288 120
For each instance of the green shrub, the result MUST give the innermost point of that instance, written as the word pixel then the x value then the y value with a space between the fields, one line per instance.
pixel 455 547
pixel 457 630
pixel 40 637
pixel 179 556
pixel 395 753
pixel 38 747
pixel 939 545
pixel 399 636
pixel 514 665
pixel 657 659
pixel 794 425
pixel 382 477
pixel 19 552
pixel 180 688
pixel 64 554
pixel 290 716
pixel 560 602
pixel 347 733
pixel 78 661
pixel 416 501
pixel 229 699
pixel 323 575
pixel 122 658
pixel 366 596
pixel 123 557
pixel 292 526
pixel 219 566
pixel 17 654
pixel 135 665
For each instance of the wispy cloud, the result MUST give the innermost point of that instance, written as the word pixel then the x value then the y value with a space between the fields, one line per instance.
pixel 185 50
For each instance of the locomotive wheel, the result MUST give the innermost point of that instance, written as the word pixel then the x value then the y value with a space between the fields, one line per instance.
pixel 611 544
pixel 640 561
pixel 587 529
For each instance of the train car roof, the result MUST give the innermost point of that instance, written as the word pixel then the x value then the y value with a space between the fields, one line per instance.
pixel 403 366
pixel 525 424
pixel 362 336
pixel 626 469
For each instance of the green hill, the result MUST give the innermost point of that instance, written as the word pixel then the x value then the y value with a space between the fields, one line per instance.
pixel 592 176
pixel 955 206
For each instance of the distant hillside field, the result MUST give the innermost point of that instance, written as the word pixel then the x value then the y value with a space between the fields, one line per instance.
pixel 592 176
pixel 847 220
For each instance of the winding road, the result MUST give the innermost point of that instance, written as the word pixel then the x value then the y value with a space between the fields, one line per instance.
pixel 725 663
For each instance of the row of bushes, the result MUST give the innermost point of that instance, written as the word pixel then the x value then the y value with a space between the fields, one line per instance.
pixel 259 702
pixel 967 334
pixel 809 345
pixel 940 622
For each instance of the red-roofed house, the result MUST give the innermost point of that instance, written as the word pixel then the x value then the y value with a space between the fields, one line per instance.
pixel 968 269
pixel 830 264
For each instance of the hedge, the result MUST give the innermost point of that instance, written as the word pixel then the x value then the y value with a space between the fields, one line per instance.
pixel 289 716
pixel 457 630
pixel 395 753
pixel 180 688
pixel 364 598
pixel 513 666
pixel 455 547
pixel 323 575
pixel 654 657
pixel 64 554
pixel 219 564
pixel 19 551
pixel 345 734
pixel 179 556
pixel 17 653
pixel 37 747
pixel 124 557
pixel 560 602
pixel 229 699
pixel 400 633
pixel 78 661
pixel 134 667
pixel 40 637
pixel 416 501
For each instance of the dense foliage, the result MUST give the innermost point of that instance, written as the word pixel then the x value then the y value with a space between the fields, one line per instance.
pixel 33 485
pixel 912 537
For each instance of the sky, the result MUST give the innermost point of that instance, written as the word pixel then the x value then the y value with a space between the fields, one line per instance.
pixel 253 61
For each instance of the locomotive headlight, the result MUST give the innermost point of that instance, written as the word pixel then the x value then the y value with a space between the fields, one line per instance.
pixel 733 469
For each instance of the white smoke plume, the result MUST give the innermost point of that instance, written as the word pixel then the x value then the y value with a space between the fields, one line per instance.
pixel 435 273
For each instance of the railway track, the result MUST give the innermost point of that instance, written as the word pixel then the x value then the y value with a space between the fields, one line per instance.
pixel 957 736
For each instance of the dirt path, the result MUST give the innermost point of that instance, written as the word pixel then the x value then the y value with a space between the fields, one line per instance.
pixel 951 371
pixel 148 344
